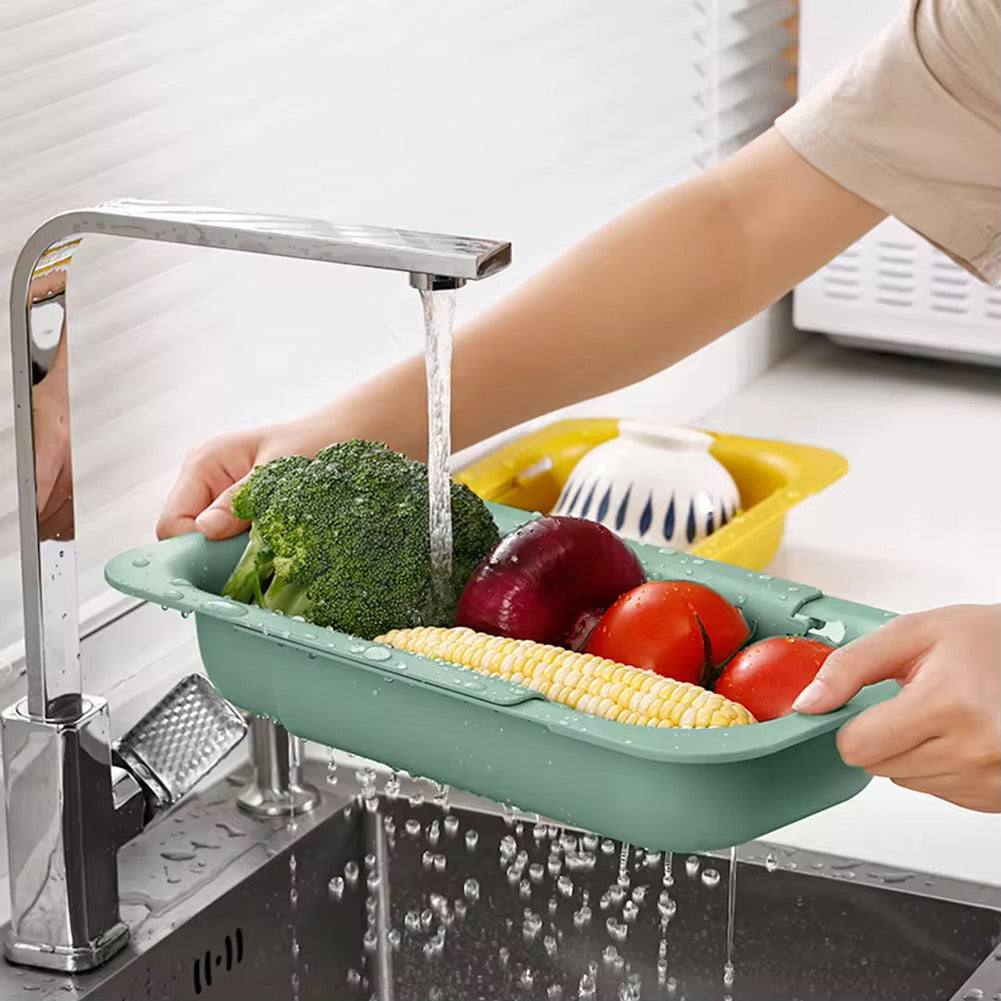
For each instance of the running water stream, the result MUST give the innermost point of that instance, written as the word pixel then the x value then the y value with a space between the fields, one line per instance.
pixel 731 906
pixel 439 312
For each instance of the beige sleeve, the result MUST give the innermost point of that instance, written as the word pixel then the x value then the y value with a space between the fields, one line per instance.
pixel 913 125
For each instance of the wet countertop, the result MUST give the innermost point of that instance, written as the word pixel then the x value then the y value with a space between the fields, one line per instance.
pixel 914 525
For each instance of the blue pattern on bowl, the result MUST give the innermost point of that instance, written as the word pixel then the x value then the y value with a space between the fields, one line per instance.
pixel 620 518
pixel 669 521
pixel 646 518
pixel 603 506
pixel 614 515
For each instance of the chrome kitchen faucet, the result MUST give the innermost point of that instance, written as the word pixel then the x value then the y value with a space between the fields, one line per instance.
pixel 71 797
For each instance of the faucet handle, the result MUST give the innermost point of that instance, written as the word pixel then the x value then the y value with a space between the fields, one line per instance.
pixel 179 741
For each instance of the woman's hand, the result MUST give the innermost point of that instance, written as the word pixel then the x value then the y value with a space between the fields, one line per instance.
pixel 201 498
pixel 942 734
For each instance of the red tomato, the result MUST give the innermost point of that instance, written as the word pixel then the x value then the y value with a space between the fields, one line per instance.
pixel 767 677
pixel 656 628
pixel 723 623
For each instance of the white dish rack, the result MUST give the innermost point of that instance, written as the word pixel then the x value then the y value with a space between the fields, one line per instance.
pixel 892 290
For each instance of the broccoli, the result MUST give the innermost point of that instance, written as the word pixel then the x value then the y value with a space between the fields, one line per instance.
pixel 342 540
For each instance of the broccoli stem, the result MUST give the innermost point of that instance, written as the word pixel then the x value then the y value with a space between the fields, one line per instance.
pixel 248 577
pixel 281 596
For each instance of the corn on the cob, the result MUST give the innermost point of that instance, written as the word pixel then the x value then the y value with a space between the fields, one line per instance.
pixel 582 681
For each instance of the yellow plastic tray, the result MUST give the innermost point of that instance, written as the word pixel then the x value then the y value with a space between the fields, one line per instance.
pixel 772 477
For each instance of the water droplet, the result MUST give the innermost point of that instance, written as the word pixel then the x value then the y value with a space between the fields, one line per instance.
pixel 771 862
pixel 503 954
pixel 973 994
pixel 336 887
pixel 616 931
pixel 225 609
pixel 536 872
pixel 526 980
pixel 377 653
pixel 728 974
pixel 897 877
pixel 439 863
pixel 412 827
pixel 140 561
pixel 471 890
pixel 177 856
pixel 354 978
pixel 180 582
pixel 692 866
pixel 451 825
pixel 351 872
pixel 173 594
pixel 472 838
pixel 710 877
pixel 565 885
pixel 554 992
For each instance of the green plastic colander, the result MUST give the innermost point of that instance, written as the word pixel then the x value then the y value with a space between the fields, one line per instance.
pixel 661 789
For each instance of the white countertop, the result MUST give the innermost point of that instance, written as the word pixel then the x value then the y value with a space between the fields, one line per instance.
pixel 916 523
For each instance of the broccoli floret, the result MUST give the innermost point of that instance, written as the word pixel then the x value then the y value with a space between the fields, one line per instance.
pixel 251 499
pixel 342 540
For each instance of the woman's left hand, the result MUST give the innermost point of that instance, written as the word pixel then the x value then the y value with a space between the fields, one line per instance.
pixel 941 734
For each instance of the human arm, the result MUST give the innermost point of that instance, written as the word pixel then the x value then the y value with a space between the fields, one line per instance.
pixel 658 283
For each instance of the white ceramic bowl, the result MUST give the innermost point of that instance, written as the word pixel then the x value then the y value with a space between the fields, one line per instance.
pixel 652 484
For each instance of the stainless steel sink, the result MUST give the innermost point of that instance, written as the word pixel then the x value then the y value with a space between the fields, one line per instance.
pixel 207 892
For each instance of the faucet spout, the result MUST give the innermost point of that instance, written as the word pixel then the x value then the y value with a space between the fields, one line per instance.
pixel 56 744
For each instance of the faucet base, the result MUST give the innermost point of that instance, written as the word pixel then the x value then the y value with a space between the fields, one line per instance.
pixel 277 788
pixel 61 838
pixel 289 802
pixel 65 959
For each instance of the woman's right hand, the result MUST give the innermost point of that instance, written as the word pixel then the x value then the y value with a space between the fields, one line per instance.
pixel 201 497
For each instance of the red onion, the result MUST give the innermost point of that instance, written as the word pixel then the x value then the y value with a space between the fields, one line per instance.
pixel 549 581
